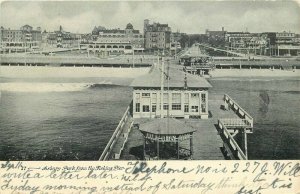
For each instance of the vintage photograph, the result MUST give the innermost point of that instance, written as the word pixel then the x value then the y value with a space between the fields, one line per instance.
pixel 149 80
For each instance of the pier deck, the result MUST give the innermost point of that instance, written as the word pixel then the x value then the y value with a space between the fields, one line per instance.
pixel 207 142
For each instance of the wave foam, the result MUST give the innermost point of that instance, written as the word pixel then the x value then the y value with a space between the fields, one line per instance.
pixel 46 87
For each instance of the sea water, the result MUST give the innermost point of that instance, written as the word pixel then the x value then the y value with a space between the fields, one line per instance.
pixel 73 119
pixel 275 107
pixel 59 119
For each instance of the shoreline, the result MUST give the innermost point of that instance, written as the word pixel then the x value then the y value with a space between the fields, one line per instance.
pixel 253 73
pixel 70 72
pixel 128 72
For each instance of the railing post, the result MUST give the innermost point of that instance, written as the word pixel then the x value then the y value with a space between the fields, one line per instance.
pixel 236 153
pixel 245 144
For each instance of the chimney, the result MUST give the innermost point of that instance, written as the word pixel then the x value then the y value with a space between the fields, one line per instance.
pixel 222 29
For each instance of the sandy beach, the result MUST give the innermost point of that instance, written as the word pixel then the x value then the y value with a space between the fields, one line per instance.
pixel 254 73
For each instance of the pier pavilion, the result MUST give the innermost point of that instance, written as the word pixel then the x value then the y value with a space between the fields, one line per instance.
pixel 196 62
pixel 183 96
pixel 165 138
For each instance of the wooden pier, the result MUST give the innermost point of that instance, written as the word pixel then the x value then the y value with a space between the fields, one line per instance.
pixel 215 138
pixel 233 131
pixel 119 138
pixel 220 134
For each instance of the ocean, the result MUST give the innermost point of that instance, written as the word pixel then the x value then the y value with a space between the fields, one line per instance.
pixel 73 119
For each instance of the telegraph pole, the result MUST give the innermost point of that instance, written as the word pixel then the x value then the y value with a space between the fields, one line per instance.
pixel 162 89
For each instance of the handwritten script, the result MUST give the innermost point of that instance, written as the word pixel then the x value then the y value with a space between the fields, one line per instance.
pixel 246 177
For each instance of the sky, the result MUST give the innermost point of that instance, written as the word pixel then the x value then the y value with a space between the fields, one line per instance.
pixel 192 17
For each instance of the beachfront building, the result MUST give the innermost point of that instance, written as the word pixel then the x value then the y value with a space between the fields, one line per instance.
pixel 283 43
pixel 184 95
pixel 115 41
pixel 157 36
pixel 23 40
pixel 246 42
pixel 63 39
pixel 258 44
pixel 237 40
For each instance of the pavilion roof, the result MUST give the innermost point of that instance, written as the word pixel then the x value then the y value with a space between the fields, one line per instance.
pixel 166 126
pixel 175 78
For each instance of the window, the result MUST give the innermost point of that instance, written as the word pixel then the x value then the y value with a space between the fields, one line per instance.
pixel 166 97
pixel 203 108
pixel 154 97
pixel 186 98
pixel 137 97
pixel 203 97
pixel 166 107
pixel 137 107
pixel 146 108
pixel 153 108
pixel 195 109
pixel 176 107
pixel 145 94
pixel 186 108
pixel 194 95
pixel 176 98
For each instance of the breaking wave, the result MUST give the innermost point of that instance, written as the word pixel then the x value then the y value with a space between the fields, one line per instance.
pixel 292 92
pixel 51 87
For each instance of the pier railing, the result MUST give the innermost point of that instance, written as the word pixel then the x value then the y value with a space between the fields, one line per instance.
pixel 231 146
pixel 236 122
pixel 246 117
pixel 120 149
pixel 110 145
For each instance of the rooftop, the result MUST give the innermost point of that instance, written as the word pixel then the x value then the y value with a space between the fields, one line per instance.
pixel 165 126
pixel 176 80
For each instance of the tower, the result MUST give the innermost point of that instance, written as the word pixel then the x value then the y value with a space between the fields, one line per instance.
pixel 146 23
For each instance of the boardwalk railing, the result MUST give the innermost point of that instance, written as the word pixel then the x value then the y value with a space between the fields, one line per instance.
pixel 236 122
pixel 107 150
pixel 126 134
pixel 231 146
pixel 238 110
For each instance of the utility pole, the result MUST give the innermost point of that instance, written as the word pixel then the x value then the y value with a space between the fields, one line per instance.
pixel 176 50
pixel 162 89
pixel 132 57
pixel 168 111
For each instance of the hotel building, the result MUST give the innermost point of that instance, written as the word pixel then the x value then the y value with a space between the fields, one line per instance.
pixel 116 41
pixel 63 39
pixel 23 40
pixel 157 36
pixel 283 43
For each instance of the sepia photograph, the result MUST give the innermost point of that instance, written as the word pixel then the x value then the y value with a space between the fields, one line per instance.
pixel 149 81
